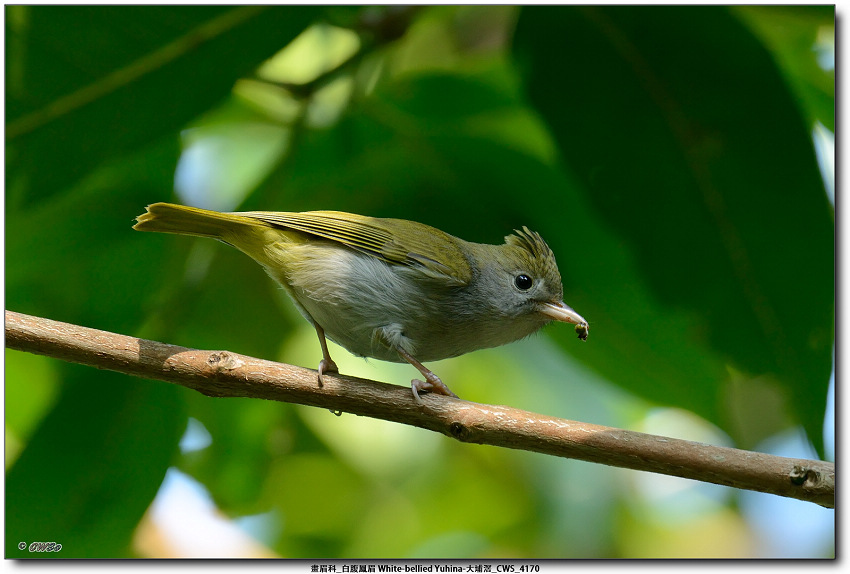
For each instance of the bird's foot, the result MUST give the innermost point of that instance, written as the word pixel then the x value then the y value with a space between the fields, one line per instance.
pixel 326 365
pixel 431 384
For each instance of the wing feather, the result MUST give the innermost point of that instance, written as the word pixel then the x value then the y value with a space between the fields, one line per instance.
pixel 394 241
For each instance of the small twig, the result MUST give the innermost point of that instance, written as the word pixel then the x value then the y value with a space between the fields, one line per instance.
pixel 378 27
pixel 307 89
pixel 226 374
pixel 131 72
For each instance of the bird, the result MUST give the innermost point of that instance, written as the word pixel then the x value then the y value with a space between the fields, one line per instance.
pixel 391 289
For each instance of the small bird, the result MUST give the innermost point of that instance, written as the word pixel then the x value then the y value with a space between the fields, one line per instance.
pixel 391 289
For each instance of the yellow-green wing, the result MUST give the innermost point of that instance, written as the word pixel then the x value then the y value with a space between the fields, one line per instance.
pixel 395 241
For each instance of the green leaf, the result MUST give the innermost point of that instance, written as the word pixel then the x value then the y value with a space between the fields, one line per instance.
pixel 89 83
pixel 76 258
pixel 686 141
pixel 31 388
pixel 232 305
pixel 794 35
pixel 93 466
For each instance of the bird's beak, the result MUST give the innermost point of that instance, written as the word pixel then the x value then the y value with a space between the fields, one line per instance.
pixel 562 312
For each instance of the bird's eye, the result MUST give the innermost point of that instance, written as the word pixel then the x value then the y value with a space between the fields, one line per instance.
pixel 523 282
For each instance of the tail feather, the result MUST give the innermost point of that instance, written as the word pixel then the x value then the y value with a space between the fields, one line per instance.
pixel 172 218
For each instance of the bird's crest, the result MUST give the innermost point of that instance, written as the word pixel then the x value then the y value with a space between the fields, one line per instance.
pixel 539 257
pixel 531 242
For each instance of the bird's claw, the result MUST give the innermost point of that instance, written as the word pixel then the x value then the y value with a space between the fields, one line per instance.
pixel 326 366
pixel 431 384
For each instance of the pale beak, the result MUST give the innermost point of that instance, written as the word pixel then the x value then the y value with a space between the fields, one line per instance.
pixel 562 312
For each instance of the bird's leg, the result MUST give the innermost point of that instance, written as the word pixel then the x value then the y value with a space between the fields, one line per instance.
pixel 431 383
pixel 326 365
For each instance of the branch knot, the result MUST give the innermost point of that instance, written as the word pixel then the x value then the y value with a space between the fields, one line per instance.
pixel 803 476
pixel 224 361
pixel 459 431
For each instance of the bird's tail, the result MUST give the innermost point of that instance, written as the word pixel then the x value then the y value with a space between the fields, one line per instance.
pixel 171 218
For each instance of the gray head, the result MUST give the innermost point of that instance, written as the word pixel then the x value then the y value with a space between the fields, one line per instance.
pixel 521 285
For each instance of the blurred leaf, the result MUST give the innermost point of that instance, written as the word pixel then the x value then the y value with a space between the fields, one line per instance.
pixel 94 465
pixel 77 258
pixel 88 83
pixel 794 35
pixel 228 302
pixel 443 98
pixel 687 142
pixel 248 437
pixel 32 386
pixel 332 514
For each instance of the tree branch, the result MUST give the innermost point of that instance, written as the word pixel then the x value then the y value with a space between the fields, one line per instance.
pixel 226 374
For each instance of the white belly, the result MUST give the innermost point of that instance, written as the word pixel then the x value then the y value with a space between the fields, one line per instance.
pixel 362 303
